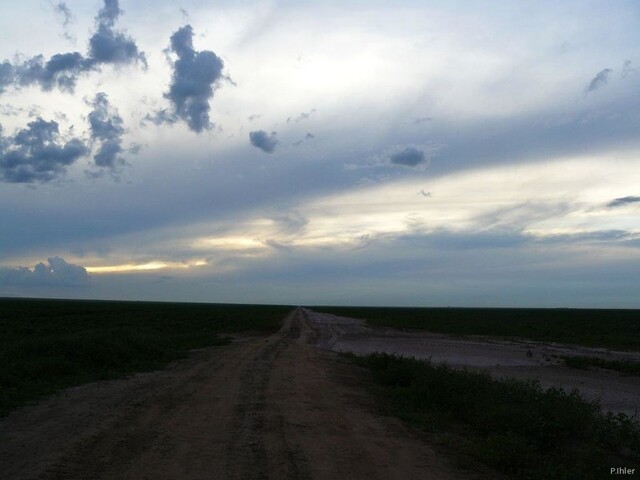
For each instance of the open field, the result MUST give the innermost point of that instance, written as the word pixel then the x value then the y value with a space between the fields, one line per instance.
pixel 51 344
pixel 262 407
pixel 285 405
pixel 618 329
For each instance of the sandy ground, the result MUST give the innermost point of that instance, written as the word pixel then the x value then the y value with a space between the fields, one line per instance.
pixel 520 359
pixel 261 408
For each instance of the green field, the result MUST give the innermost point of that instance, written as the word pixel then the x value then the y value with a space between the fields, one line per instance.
pixel 512 426
pixel 47 345
pixel 596 328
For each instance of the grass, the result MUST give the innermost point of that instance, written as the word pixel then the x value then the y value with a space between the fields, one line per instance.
pixel 597 328
pixel 47 345
pixel 512 426
pixel 626 367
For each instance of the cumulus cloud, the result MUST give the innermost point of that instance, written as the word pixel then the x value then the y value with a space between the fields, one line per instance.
pixel 600 80
pixel 196 75
pixel 109 46
pixel 106 46
pixel 37 153
pixel 622 201
pixel 106 128
pixel 61 70
pixel 56 272
pixel 264 141
pixel 409 157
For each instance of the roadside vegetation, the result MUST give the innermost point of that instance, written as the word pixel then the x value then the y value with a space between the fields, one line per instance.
pixel 596 328
pixel 47 345
pixel 626 367
pixel 512 426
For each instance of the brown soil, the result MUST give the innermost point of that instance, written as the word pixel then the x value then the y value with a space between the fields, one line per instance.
pixel 261 408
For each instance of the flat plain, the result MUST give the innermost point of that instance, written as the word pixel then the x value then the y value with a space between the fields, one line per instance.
pixel 195 391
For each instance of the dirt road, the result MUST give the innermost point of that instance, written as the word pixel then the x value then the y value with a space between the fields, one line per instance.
pixel 261 408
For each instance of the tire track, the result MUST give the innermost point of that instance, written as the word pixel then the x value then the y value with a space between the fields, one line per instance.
pixel 246 452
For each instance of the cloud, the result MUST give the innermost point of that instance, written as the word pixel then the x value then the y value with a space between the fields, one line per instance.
pixel 63 10
pixel 419 120
pixel 107 128
pixel 265 142
pixel 37 153
pixel 308 136
pixel 622 201
pixel 61 70
pixel 302 116
pixel 409 157
pixel 627 69
pixel 196 75
pixel 600 80
pixel 106 46
pixel 6 75
pixel 57 272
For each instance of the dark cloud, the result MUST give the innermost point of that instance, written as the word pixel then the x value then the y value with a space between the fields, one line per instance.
pixel 37 153
pixel 109 13
pixel 106 46
pixel 408 157
pixel 56 273
pixel 620 202
pixel 106 128
pixel 600 80
pixel 6 75
pixel 196 75
pixel 264 141
pixel 61 70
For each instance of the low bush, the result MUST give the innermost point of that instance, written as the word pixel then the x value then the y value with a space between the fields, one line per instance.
pixel 514 426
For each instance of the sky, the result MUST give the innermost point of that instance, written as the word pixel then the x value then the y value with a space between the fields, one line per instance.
pixel 409 153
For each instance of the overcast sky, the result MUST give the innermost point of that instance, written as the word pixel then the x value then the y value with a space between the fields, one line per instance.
pixel 436 153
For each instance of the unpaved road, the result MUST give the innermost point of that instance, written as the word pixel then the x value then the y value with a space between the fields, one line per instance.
pixel 261 408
